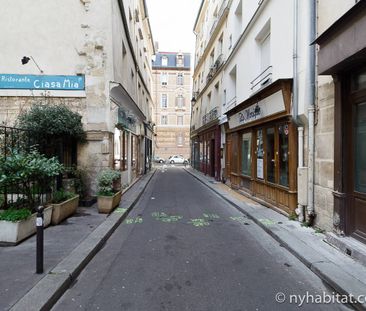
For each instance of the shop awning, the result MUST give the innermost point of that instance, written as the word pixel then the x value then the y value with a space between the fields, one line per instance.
pixel 123 100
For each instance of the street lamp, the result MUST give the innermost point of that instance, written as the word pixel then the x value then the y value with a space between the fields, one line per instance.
pixel 26 59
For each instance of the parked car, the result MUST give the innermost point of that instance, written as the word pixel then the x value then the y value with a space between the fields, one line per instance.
pixel 177 159
pixel 157 159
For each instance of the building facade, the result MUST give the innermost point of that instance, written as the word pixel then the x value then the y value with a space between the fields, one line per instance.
pixel 340 202
pixel 172 94
pixel 210 54
pixel 243 80
pixel 100 53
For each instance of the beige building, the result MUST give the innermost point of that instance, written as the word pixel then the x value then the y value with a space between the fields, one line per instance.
pixel 172 97
pixel 94 57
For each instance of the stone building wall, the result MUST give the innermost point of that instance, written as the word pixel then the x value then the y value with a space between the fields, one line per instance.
pixel 324 155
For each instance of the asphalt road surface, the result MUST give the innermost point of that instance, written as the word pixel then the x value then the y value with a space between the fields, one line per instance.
pixel 184 248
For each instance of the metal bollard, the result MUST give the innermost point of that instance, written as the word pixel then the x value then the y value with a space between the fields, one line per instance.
pixel 39 224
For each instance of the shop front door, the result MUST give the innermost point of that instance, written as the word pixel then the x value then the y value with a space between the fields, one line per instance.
pixel 357 215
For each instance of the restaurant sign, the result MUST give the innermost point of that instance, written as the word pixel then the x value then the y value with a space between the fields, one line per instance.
pixel 42 82
pixel 263 108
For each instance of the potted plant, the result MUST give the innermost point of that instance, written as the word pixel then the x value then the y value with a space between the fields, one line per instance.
pixel 108 196
pixel 28 175
pixel 64 205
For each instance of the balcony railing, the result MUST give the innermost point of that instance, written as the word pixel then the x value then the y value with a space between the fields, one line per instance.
pixel 231 103
pixel 210 116
pixel 264 78
pixel 214 68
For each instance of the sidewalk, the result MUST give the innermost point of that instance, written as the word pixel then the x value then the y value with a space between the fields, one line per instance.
pixel 68 247
pixel 345 275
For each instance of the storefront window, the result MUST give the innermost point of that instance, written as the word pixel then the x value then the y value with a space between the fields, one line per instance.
pixel 360 148
pixel 208 151
pixel 124 151
pixel 245 154
pixel 283 131
pixel 120 150
pixel 359 81
pixel 260 154
pixel 270 155
pixel 201 151
pixel 204 151
pixel 117 149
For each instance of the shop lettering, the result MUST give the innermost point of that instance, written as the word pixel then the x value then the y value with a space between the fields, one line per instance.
pixel 66 84
pixel 249 114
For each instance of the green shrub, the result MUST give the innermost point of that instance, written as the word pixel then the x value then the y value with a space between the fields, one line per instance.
pixel 47 122
pixel 105 181
pixel 61 196
pixel 15 214
pixel 31 172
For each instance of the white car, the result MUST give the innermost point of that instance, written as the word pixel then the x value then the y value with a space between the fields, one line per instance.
pixel 177 159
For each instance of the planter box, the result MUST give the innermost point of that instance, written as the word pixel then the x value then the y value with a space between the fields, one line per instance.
pixel 64 209
pixel 14 232
pixel 106 204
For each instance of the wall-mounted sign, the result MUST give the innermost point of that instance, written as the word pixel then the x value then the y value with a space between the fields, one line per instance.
pixel 263 108
pixel 42 82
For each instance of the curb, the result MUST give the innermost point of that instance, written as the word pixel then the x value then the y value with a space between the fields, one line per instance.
pixel 50 288
pixel 330 273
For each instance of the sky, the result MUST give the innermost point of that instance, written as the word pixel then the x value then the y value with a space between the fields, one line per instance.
pixel 172 24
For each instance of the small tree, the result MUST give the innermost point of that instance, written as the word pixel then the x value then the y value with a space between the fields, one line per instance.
pixel 55 131
pixel 57 121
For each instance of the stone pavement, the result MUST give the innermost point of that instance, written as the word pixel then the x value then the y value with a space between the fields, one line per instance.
pixel 68 247
pixel 345 275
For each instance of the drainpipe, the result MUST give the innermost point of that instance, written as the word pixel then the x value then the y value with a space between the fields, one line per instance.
pixel 300 210
pixel 310 93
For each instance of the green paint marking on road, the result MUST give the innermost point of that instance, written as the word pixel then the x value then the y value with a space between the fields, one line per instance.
pixel 199 222
pixel 267 222
pixel 121 210
pixel 166 218
pixel 211 216
pixel 137 220
pixel 240 219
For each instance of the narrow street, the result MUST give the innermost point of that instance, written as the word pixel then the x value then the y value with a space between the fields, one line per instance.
pixel 184 248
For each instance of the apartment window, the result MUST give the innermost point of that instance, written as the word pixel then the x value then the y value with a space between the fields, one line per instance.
pixel 265 52
pixel 123 49
pixel 180 78
pixel 164 78
pixel 180 101
pixel 221 44
pixel 180 60
pixel 180 140
pixel 164 61
pixel 179 120
pixel 164 101
pixel 164 120
pixel 264 42
pixel 212 58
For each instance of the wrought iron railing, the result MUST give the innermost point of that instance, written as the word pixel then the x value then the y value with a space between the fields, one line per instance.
pixel 210 116
pixel 263 78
